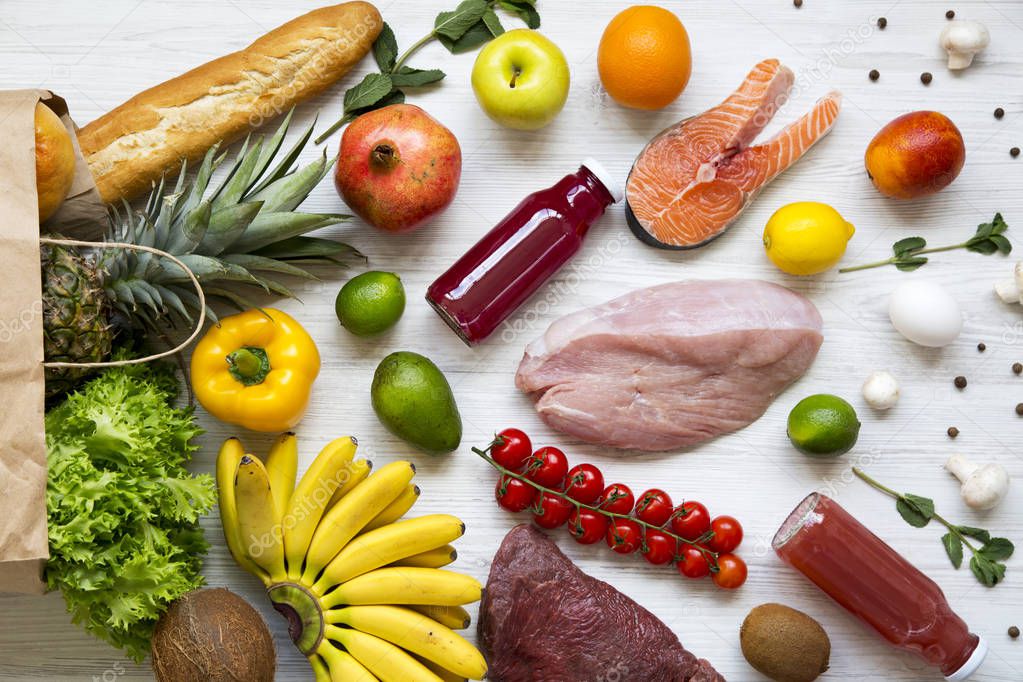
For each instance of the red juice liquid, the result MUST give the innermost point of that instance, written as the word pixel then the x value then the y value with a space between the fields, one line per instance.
pixel 873 582
pixel 520 253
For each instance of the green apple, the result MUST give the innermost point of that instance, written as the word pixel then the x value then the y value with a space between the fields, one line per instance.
pixel 521 79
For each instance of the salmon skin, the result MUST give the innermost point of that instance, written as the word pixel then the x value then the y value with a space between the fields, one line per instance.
pixel 695 178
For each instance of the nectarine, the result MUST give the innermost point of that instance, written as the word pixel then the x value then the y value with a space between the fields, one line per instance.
pixel 915 155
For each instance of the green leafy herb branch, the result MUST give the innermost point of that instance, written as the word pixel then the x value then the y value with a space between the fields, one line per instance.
pixel 908 253
pixel 471 24
pixel 986 561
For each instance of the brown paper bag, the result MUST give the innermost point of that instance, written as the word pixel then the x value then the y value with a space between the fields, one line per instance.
pixel 23 539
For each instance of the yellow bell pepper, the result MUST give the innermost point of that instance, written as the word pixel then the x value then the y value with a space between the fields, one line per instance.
pixel 256 369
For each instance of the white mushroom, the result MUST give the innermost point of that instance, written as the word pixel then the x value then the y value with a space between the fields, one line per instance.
pixel 1011 291
pixel 881 390
pixel 983 486
pixel 962 40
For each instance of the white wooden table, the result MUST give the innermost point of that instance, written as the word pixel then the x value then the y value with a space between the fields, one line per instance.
pixel 98 54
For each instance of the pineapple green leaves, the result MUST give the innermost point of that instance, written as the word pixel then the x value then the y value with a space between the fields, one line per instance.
pixel 244 233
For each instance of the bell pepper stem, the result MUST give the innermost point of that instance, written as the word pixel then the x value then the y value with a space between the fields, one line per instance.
pixel 248 365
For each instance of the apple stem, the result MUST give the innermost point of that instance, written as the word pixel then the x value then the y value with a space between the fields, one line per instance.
pixel 515 76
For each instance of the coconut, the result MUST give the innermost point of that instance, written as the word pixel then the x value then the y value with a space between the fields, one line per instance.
pixel 213 635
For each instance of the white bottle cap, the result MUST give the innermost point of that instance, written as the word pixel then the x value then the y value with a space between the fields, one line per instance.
pixel 972 663
pixel 614 188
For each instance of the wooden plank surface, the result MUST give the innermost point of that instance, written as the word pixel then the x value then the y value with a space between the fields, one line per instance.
pixel 98 54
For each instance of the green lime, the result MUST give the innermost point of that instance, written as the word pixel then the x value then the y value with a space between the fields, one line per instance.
pixel 823 425
pixel 370 303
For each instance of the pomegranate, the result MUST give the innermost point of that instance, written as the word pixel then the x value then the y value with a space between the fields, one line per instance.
pixel 397 167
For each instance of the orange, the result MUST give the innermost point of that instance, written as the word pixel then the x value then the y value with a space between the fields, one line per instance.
pixel 644 57
pixel 55 161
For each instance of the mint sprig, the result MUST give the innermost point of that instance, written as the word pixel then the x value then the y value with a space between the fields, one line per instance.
pixel 908 253
pixel 986 561
pixel 471 24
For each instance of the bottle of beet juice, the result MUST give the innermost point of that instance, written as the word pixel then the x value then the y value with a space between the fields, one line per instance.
pixel 521 252
pixel 874 583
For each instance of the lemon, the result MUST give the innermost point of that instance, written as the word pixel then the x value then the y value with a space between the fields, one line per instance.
pixel 823 425
pixel 806 238
pixel 370 303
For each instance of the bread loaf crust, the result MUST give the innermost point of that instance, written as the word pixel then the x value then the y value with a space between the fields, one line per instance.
pixel 129 148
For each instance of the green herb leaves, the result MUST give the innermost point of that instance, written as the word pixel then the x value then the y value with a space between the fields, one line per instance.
pixel 917 511
pixel 525 9
pixel 455 24
pixel 908 253
pixel 407 77
pixel 385 49
pixel 905 251
pixel 471 24
pixel 954 548
pixel 990 237
pixel 986 562
pixel 373 88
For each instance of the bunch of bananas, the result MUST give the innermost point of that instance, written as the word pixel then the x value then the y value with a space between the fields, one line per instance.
pixel 363 591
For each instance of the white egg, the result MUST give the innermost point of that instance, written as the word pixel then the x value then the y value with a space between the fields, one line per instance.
pixel 925 313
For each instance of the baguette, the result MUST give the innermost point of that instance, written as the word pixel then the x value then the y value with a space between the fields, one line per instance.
pixel 131 147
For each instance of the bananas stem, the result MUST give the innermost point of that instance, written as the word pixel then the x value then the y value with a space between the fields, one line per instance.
pixel 303 612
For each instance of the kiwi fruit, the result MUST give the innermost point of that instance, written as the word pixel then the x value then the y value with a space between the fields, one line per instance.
pixel 784 644
pixel 213 635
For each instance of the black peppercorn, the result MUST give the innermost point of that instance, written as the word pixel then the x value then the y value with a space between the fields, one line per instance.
pixel 952 432
pixel 881 23
pixel 926 78
pixel 874 74
pixel 981 346
pixel 1014 152
pixel 1017 368
pixel 797 3
pixel 951 14
pixel 960 382
pixel 1014 632
pixel 999 112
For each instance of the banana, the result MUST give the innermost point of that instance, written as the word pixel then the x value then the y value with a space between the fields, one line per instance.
pixel 345 519
pixel 231 452
pixel 320 669
pixel 440 671
pixel 257 517
pixel 430 586
pixel 395 510
pixel 281 467
pixel 357 473
pixel 415 633
pixel 343 668
pixel 310 498
pixel 438 557
pixel 390 543
pixel 454 617
pixel 383 659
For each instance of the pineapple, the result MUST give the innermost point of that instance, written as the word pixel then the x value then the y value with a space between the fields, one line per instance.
pixel 242 234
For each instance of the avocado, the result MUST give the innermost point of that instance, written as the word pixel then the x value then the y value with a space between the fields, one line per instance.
pixel 784 644
pixel 414 401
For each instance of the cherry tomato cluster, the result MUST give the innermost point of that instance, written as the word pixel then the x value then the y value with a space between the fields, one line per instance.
pixel 542 482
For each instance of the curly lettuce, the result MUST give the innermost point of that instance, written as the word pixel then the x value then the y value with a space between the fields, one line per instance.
pixel 123 510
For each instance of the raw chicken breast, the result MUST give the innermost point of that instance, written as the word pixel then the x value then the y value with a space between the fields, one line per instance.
pixel 673 365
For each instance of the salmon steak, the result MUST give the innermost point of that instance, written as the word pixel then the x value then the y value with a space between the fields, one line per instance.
pixel 695 178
